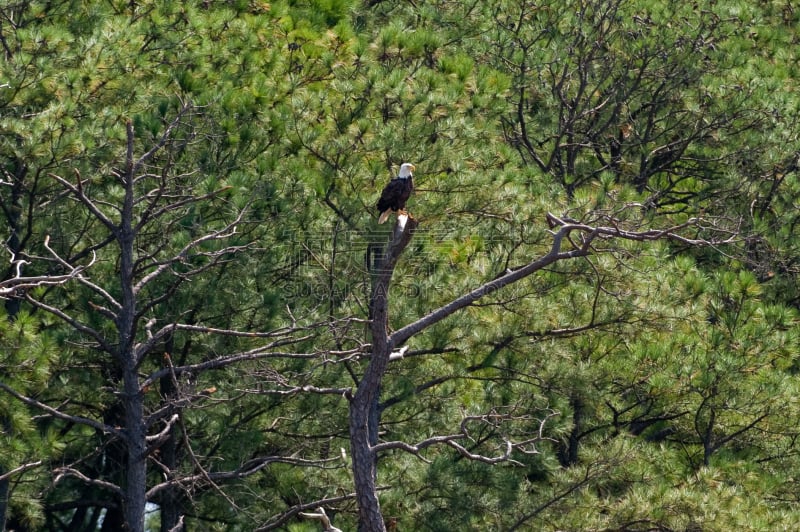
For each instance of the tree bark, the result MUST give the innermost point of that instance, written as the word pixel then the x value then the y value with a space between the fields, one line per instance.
pixel 136 482
pixel 136 430
pixel 364 416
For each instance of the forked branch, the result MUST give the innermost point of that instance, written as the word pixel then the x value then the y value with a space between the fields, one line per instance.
pixel 562 229
pixel 17 285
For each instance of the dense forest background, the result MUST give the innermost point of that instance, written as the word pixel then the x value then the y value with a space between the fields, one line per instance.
pixel 189 247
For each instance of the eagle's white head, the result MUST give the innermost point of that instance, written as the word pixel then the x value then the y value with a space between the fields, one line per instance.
pixel 406 170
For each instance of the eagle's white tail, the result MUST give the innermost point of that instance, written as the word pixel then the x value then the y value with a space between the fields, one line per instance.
pixel 384 216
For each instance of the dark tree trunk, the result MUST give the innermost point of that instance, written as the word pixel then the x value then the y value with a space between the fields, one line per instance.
pixel 133 397
pixel 170 501
pixel 113 520
pixel 364 413
pixel 136 482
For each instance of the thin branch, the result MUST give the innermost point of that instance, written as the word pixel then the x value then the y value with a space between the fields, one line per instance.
pixel 154 338
pixel 203 473
pixel 294 390
pixel 81 279
pixel 226 232
pixel 492 419
pixel 20 469
pixel 588 234
pixel 93 208
pixel 12 287
pixel 505 457
pixel 222 362
pixel 165 137
pixel 156 439
pixel 555 254
pixel 69 472
pixel 244 334
pixel 746 428
pixel 247 469
pixel 61 415
pixel 567 492
pixel 450 440
pixel 283 518
pixel 323 518
pixel 155 214
pixel 75 324
pixel 416 448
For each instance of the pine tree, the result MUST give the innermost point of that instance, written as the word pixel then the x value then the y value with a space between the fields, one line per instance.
pixel 189 192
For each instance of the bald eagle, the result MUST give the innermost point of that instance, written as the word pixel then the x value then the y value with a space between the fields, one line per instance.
pixel 396 193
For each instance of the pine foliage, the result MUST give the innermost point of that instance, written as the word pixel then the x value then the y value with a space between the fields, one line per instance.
pixel 646 385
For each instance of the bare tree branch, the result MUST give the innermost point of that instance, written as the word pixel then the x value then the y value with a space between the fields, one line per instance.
pixel 221 362
pixel 294 390
pixel 555 254
pixel 157 439
pixel 226 232
pixel 78 326
pixel 70 472
pixel 323 518
pixel 493 419
pixel 82 279
pixel 13 287
pixel 588 234
pixel 156 213
pixel 283 518
pixel 505 457
pixel 20 469
pixel 61 415
pixel 247 469
pixel 157 336
pixel 162 141
pixel 77 190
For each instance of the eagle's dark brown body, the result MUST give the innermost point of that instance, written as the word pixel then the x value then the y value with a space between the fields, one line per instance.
pixel 396 193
